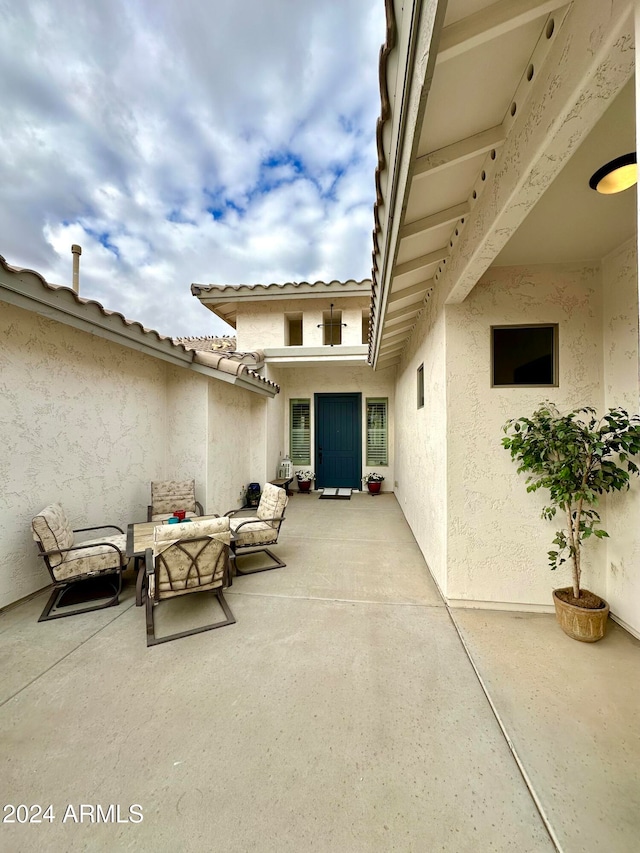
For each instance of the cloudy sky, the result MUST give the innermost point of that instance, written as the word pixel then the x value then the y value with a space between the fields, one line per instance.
pixel 179 141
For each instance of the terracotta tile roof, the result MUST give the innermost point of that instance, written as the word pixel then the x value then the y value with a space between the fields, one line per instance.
pixel 208 343
pixel 197 289
pixel 226 364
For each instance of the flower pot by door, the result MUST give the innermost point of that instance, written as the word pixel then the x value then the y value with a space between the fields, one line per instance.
pixel 304 485
pixel 374 488
pixel 580 623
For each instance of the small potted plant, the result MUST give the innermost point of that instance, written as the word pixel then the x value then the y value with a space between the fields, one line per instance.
pixel 305 479
pixel 577 457
pixel 374 482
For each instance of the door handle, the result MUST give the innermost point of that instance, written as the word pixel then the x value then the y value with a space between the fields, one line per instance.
pixel 320 455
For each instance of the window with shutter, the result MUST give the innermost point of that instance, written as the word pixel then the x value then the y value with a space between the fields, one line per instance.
pixel 377 432
pixel 300 432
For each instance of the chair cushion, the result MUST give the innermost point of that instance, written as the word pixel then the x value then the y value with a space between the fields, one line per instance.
pixel 255 532
pixel 52 529
pixel 273 502
pixel 183 565
pixel 163 516
pixel 95 558
pixel 217 528
pixel 170 495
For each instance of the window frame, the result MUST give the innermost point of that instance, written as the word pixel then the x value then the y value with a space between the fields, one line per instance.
pixel 376 462
pixel 299 460
pixel 420 386
pixel 555 361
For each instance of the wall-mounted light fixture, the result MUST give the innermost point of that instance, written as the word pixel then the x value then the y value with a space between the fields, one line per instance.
pixel 616 176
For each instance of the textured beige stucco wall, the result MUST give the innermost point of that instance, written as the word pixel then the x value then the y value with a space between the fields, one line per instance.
pixel 187 423
pixel 230 436
pixel 620 331
pixel 305 381
pixel 82 422
pixel 497 542
pixel 275 444
pixel 260 325
pixel 421 439
pixel 89 423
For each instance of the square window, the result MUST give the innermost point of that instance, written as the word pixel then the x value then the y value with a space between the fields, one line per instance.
pixel 421 386
pixel 524 355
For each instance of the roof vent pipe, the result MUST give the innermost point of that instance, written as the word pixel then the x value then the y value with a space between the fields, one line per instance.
pixel 76 251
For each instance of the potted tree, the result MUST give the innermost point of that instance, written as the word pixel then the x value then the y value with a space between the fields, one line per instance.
pixel 374 482
pixel 305 479
pixel 577 457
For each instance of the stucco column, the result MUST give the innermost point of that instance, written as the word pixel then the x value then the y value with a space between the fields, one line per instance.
pixel 637 82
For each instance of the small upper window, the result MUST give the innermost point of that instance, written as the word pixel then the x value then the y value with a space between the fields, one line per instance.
pixel 421 386
pixel 293 330
pixel 365 328
pixel 524 355
pixel 332 324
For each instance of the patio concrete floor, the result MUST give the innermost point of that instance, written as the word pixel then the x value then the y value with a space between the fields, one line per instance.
pixel 340 713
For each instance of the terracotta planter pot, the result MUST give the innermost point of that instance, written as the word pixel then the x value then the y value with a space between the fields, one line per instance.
pixel 374 488
pixel 580 623
pixel 304 485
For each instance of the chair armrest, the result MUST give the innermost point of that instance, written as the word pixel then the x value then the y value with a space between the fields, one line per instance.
pixel 148 562
pixel 99 527
pixel 200 507
pixel 149 513
pixel 255 520
pixel 80 548
pixel 233 512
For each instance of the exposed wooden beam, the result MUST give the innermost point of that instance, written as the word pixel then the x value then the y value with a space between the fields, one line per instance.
pixel 394 316
pixel 396 333
pixel 416 290
pixel 489 23
pixel 388 341
pixel 421 262
pixel 428 223
pixel 394 351
pixel 593 51
pixel 458 152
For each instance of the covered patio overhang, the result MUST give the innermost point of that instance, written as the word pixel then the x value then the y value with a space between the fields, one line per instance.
pixel 483 106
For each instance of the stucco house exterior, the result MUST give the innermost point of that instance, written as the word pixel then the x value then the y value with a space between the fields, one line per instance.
pixel 499 279
pixel 334 414
pixel 494 118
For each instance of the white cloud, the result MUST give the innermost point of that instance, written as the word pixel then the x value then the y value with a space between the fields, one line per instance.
pixel 193 141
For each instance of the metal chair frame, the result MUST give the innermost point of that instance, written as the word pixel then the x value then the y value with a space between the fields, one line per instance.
pixel 61 587
pixel 255 547
pixel 150 570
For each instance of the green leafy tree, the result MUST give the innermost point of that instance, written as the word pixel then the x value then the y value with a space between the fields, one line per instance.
pixel 577 457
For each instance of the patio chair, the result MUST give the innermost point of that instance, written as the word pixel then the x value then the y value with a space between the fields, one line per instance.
pixel 185 558
pixel 167 496
pixel 252 533
pixel 71 563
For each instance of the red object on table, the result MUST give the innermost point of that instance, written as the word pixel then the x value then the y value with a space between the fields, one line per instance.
pixel 180 513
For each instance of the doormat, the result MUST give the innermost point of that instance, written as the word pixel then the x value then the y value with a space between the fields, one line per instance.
pixel 336 494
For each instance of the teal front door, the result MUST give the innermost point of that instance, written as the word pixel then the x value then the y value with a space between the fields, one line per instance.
pixel 338 440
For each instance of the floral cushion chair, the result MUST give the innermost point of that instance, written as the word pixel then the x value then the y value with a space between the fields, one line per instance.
pixel 255 532
pixel 69 562
pixel 167 496
pixel 185 558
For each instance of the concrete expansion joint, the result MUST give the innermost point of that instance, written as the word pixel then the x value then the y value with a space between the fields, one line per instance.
pixel 512 749
pixel 366 601
pixel 123 610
